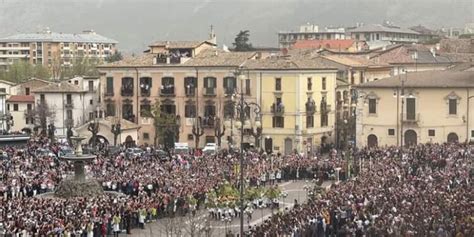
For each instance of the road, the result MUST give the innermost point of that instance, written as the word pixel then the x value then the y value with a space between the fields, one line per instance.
pixel 184 226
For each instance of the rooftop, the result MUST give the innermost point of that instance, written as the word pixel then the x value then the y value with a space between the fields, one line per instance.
pixel 426 79
pixel 59 88
pixel 316 44
pixel 21 98
pixel 382 28
pixel 179 44
pixel 290 63
pixel 89 37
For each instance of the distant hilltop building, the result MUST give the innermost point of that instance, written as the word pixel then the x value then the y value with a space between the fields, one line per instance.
pixel 51 48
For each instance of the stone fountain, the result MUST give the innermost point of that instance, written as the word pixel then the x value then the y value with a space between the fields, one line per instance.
pixel 79 185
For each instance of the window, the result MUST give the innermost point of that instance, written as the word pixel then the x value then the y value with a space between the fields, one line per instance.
pixel 76 82
pixel 310 83
pixel 247 86
pixel 167 85
pixel 127 112
pixel 210 139
pixel 91 86
pixel 29 107
pixel 309 121
pixel 4 90
pixel 472 133
pixel 145 86
pixel 230 85
pixel 91 102
pixel 391 132
pixel 69 114
pixel 15 107
pixel 278 84
pixel 146 136
pixel 323 86
pixel 110 109
pixel 68 99
pixel 145 110
pixel 210 85
pixel 361 77
pixel 431 132
pixel 453 104
pixel 42 98
pixel 190 111
pixel 278 122
pixel 411 109
pixel 8 107
pixel 372 106
pixel 324 120
pixel 190 137
pixel 352 77
pixel 27 91
pixel 127 86
pixel 229 109
pixel 190 85
pixel 91 115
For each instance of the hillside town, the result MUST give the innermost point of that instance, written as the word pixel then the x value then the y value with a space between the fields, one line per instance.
pixel 191 137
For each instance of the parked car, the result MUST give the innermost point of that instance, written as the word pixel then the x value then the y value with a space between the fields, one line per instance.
pixel 134 152
pixel 210 148
pixel 181 148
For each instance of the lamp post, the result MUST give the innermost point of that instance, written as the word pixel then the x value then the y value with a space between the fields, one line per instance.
pixel 244 112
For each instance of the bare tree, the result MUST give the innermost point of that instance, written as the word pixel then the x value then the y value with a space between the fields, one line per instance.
pixel 40 115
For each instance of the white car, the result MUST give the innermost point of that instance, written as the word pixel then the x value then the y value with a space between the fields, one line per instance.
pixel 210 148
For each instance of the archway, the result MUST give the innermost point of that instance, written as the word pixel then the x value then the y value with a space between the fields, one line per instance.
pixel 288 146
pixel 410 138
pixel 129 142
pixel 372 141
pixel 453 138
pixel 268 145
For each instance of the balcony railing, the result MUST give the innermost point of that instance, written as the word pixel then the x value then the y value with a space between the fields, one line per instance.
pixel 229 91
pixel 410 117
pixel 310 108
pixel 208 122
pixel 109 93
pixel 167 91
pixel 278 109
pixel 126 92
pixel 68 104
pixel 190 92
pixel 210 91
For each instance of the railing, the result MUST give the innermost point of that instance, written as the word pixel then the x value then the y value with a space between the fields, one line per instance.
pixel 190 91
pixel 145 92
pixel 410 117
pixel 278 109
pixel 229 91
pixel 126 92
pixel 68 104
pixel 210 91
pixel 208 122
pixel 109 93
pixel 167 91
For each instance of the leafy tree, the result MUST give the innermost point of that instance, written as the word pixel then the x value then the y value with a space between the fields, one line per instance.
pixel 22 70
pixel 163 123
pixel 81 67
pixel 242 41
pixel 117 56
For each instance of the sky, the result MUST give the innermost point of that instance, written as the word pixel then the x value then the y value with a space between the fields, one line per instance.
pixel 137 23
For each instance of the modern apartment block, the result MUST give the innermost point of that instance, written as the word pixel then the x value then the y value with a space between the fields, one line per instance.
pixel 54 49
pixel 286 39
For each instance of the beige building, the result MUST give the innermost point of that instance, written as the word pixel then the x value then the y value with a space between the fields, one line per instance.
pixel 190 79
pixel 19 107
pixel 53 49
pixel 429 107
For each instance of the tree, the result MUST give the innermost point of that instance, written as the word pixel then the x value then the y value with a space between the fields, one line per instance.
pixel 40 115
pixel 242 41
pixel 117 56
pixel 163 123
pixel 22 70
pixel 81 67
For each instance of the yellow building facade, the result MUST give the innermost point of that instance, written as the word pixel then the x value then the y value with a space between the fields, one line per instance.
pixel 428 107
pixel 297 100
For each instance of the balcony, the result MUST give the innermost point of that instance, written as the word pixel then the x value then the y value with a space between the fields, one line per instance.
pixel 208 122
pixel 126 92
pixel 210 91
pixel 310 107
pixel 167 91
pixel 69 122
pixel 109 93
pixel 190 92
pixel 68 104
pixel 229 91
pixel 326 109
pixel 278 109
pixel 412 118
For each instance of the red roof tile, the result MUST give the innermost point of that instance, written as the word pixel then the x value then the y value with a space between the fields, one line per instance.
pixel 21 98
pixel 328 44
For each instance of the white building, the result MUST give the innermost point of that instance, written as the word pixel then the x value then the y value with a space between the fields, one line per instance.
pixel 72 105
pixel 19 107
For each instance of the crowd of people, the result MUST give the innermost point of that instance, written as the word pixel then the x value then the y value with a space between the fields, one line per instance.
pixel 425 190
pixel 153 187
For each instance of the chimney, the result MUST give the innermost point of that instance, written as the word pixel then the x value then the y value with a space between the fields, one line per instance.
pixel 212 36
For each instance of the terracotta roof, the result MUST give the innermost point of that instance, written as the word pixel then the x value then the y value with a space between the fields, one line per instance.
pixel 404 54
pixel 139 60
pixel 316 44
pixel 21 98
pixel 353 60
pixel 60 87
pixel 290 62
pixel 422 30
pixel 219 57
pixel 457 46
pixel 426 79
pixel 179 44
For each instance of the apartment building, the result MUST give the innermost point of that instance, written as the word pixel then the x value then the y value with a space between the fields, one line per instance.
pixel 54 49
pixel 418 107
pixel 286 39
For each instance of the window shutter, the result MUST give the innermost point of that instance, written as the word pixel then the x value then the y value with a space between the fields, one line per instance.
pixel 225 82
pixel 206 82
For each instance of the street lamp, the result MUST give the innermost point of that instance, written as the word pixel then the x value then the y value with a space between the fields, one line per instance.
pixel 244 111
pixel 116 130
